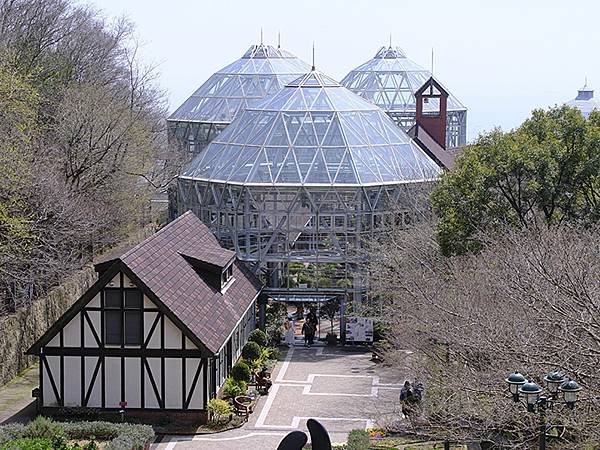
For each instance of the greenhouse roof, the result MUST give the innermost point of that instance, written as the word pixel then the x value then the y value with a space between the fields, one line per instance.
pixel 390 80
pixel 312 132
pixel 263 70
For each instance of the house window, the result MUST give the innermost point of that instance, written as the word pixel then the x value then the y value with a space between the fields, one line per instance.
pixel 123 316
pixel 226 275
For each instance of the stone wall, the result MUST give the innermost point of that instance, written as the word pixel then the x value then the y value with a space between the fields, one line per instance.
pixel 20 330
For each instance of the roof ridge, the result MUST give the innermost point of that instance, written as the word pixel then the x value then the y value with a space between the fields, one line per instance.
pixel 156 234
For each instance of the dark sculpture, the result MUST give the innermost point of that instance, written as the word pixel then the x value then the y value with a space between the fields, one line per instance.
pixel 297 439
pixel 319 436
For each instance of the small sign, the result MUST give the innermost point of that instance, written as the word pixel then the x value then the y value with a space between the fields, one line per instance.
pixel 359 329
pixel 122 404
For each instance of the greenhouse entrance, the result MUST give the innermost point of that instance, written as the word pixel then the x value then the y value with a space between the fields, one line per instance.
pixel 324 311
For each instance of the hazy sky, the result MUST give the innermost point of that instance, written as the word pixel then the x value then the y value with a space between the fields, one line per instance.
pixel 501 58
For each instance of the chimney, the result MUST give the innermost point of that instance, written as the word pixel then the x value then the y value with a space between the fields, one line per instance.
pixel 432 104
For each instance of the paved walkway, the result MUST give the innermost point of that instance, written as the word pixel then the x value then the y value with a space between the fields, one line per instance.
pixel 15 397
pixel 342 389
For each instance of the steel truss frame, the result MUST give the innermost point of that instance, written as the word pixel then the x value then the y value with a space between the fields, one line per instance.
pixel 299 238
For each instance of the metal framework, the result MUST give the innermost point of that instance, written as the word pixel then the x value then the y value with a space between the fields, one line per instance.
pixel 297 182
pixel 390 80
pixel 261 71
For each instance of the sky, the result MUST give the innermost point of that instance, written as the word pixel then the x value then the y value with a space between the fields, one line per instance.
pixel 500 58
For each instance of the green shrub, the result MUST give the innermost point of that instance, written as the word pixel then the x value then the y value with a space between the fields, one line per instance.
pixel 120 435
pixel 241 372
pixel 219 408
pixel 43 427
pixel 28 444
pixel 273 353
pixel 11 431
pixel 233 388
pixel 104 431
pixel 251 351
pixel 258 336
pixel 133 437
pixel 358 440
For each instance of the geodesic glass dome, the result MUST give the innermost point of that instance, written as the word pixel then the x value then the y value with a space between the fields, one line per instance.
pixel 263 70
pixel 297 181
pixel 390 80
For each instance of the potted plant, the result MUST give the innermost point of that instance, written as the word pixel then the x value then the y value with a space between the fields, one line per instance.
pixel 331 338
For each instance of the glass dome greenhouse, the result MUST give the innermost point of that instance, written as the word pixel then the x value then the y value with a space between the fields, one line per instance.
pixel 390 80
pixel 298 180
pixel 261 71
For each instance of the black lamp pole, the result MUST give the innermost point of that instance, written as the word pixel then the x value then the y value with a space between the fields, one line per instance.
pixel 560 390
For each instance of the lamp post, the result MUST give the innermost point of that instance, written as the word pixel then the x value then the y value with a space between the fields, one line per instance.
pixel 560 390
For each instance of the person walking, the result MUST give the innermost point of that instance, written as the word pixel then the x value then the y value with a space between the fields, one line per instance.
pixel 289 332
pixel 308 329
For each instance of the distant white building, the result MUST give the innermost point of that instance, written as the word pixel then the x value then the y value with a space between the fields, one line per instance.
pixel 585 101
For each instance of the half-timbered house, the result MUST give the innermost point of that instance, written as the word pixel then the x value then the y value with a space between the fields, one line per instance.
pixel 159 330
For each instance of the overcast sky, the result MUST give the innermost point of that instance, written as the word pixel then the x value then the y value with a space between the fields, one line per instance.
pixel 501 58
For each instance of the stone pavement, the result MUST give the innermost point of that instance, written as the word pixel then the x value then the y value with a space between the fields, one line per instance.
pixel 16 403
pixel 342 389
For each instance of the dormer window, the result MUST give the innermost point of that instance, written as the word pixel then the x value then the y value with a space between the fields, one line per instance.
pixel 226 275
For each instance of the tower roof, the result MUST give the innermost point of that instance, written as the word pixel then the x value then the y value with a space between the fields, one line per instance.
pixel 585 100
pixel 390 80
pixel 312 132
pixel 261 71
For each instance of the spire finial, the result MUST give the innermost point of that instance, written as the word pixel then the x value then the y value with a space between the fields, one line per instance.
pixel 390 40
pixel 279 39
pixel 585 82
pixel 431 61
pixel 313 57
pixel 261 36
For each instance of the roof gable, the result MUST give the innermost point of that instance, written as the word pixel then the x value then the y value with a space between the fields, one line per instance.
pixel 157 267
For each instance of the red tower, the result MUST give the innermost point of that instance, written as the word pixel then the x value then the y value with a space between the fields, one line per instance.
pixel 432 104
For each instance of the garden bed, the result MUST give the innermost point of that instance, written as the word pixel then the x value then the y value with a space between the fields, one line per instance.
pixel 45 434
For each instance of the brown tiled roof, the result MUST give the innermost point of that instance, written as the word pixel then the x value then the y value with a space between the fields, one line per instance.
pixel 159 264
pixel 423 139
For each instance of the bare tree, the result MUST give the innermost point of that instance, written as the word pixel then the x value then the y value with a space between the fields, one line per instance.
pixel 529 301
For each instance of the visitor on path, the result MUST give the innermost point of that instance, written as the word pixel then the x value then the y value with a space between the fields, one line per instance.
pixel 312 317
pixel 289 332
pixel 411 395
pixel 263 378
pixel 308 329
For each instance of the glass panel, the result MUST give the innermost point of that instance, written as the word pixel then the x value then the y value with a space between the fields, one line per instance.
pixel 334 134
pixel 310 96
pixel 322 102
pixel 133 332
pixel 112 298
pixel 133 298
pixel 296 101
pixel 318 172
pixel 112 327
pixel 289 170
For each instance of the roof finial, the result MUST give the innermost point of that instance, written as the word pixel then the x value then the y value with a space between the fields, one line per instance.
pixel 585 82
pixel 261 36
pixel 390 40
pixel 431 61
pixel 279 39
pixel 313 57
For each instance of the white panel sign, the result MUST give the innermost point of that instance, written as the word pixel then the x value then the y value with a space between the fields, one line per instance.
pixel 359 329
